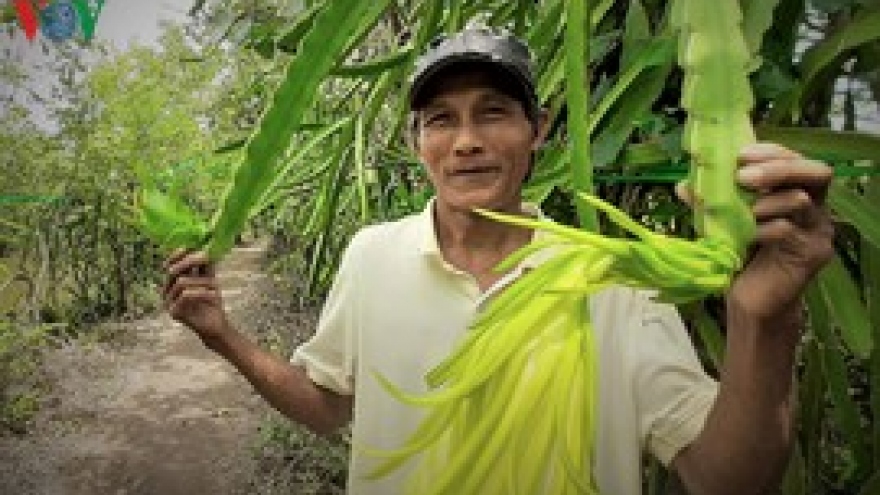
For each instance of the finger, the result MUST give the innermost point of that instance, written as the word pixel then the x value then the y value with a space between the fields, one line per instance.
pixel 791 203
pixel 177 285
pixel 684 193
pixel 810 176
pixel 184 283
pixel 195 259
pixel 818 225
pixel 764 151
pixel 777 230
pixel 174 257
pixel 813 248
pixel 191 295
pixel 188 264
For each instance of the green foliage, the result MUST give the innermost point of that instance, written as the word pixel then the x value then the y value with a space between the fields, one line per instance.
pixel 321 49
pixel 141 115
pixel 19 359
pixel 577 92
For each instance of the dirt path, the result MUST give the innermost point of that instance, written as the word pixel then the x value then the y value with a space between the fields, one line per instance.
pixel 153 414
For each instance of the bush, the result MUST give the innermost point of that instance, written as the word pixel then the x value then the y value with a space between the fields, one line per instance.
pixel 19 358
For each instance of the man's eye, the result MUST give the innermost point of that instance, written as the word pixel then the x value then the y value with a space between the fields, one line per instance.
pixel 437 119
pixel 495 111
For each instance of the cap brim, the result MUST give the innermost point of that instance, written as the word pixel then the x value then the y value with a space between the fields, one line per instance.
pixel 415 98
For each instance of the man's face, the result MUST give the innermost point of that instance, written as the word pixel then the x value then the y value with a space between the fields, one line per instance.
pixel 476 143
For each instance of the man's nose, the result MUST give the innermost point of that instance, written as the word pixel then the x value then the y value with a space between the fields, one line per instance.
pixel 467 140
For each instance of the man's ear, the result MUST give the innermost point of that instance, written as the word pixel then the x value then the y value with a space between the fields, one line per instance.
pixel 412 132
pixel 542 127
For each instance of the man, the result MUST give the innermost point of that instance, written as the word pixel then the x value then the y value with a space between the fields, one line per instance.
pixel 406 291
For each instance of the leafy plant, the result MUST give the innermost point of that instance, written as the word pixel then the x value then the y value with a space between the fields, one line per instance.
pixel 19 359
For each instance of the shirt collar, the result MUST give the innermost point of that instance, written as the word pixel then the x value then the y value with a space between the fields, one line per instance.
pixel 430 247
pixel 428 244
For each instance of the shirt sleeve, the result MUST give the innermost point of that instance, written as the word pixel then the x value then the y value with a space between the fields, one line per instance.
pixel 329 357
pixel 674 394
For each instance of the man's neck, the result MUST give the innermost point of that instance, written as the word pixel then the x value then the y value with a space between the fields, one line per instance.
pixel 474 243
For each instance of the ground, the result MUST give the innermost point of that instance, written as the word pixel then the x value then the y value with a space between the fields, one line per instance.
pixel 151 411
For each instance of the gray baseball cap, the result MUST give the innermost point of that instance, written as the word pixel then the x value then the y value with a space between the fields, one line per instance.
pixel 476 45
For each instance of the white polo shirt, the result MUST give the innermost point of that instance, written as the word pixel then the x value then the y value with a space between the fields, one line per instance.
pixel 398 308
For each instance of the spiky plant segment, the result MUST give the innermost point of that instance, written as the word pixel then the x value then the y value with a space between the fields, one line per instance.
pixel 513 409
pixel 718 97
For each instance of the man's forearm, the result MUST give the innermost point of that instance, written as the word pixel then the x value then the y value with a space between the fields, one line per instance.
pixel 286 387
pixel 746 442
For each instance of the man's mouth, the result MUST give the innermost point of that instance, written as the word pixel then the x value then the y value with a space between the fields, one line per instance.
pixel 476 170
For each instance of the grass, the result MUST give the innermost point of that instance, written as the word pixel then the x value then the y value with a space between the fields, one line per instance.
pixel 292 459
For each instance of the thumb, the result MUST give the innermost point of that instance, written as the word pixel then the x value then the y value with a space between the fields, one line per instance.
pixel 684 192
